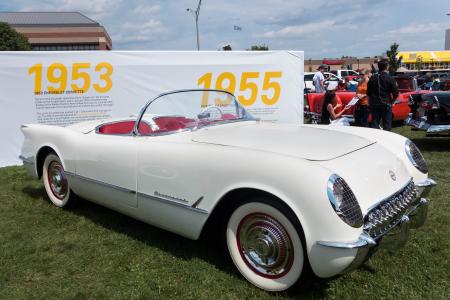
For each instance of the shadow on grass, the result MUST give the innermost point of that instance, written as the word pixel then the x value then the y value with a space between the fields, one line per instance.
pixel 208 248
pixel 35 192
pixel 436 143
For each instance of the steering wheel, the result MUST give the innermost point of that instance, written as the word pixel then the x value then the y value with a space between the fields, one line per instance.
pixel 213 107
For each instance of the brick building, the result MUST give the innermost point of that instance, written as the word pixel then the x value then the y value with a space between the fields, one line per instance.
pixel 311 65
pixel 47 31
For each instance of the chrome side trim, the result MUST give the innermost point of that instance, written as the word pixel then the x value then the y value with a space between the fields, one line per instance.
pixel 100 182
pixel 174 203
pixel 166 201
pixel 196 203
pixel 26 160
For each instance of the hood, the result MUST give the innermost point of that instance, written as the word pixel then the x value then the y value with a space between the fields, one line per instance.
pixel 303 141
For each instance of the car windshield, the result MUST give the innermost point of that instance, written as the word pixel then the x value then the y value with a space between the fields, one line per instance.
pixel 190 110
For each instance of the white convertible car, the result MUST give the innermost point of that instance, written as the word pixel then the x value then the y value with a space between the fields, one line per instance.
pixel 285 197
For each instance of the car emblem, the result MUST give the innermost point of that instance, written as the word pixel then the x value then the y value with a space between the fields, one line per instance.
pixel 392 174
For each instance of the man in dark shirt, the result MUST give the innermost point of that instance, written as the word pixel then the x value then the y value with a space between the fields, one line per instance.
pixel 382 91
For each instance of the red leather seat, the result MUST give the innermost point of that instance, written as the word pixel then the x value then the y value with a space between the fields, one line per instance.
pixel 124 127
pixel 172 123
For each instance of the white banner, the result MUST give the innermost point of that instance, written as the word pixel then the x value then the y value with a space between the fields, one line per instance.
pixel 61 88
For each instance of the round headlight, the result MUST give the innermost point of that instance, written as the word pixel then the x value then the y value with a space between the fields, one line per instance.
pixel 344 201
pixel 415 156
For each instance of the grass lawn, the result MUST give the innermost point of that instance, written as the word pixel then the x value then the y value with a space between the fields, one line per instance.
pixel 94 253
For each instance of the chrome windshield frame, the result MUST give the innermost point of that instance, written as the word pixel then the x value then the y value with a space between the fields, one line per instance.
pixel 135 131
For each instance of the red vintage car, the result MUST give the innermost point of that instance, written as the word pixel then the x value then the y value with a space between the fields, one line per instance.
pixel 400 109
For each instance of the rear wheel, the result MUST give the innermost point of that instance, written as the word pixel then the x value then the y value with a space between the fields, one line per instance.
pixel 265 245
pixel 56 183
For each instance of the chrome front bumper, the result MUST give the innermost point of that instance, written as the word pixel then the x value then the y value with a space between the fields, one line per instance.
pixel 424 125
pixel 396 236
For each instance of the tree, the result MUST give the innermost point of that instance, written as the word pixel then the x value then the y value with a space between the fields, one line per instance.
pixel 227 48
pixel 394 62
pixel 262 47
pixel 418 63
pixel 11 40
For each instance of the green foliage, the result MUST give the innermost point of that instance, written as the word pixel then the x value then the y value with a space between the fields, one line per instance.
pixel 394 62
pixel 418 63
pixel 11 40
pixel 262 47
pixel 92 252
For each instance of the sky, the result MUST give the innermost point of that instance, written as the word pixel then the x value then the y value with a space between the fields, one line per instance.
pixel 321 28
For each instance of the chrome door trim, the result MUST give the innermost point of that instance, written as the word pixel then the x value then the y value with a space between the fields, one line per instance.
pixel 150 197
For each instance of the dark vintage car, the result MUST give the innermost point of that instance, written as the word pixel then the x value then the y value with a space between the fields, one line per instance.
pixel 430 112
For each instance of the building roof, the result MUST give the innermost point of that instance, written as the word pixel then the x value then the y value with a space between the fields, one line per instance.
pixel 425 56
pixel 46 19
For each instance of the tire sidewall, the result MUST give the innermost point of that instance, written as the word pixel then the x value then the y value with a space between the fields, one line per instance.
pixel 55 200
pixel 269 284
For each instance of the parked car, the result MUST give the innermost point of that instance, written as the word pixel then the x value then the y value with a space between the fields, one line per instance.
pixel 430 112
pixel 284 197
pixel 406 83
pixel 344 73
pixel 331 81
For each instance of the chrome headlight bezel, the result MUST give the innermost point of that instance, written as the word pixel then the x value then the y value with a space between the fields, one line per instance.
pixel 415 156
pixel 344 201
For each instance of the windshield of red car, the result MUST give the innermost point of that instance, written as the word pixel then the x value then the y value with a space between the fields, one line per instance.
pixel 192 109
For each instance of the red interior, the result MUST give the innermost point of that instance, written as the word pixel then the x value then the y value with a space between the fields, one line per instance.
pixel 165 124
pixel 173 123
pixel 123 127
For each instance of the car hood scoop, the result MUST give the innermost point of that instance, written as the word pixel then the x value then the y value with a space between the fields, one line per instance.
pixel 307 142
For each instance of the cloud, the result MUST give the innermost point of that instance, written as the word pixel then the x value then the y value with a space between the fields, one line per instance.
pixel 97 9
pixel 321 28
pixel 411 30
pixel 141 32
pixel 145 9
pixel 302 30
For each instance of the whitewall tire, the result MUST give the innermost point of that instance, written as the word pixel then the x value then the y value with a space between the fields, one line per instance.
pixel 265 245
pixel 56 182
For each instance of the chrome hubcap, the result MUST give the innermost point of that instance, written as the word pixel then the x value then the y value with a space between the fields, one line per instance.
pixel 265 245
pixel 57 180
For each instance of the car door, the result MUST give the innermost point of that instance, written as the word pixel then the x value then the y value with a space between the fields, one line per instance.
pixel 166 169
pixel 109 163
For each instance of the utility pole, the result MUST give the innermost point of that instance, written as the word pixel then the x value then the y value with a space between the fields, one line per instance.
pixel 196 13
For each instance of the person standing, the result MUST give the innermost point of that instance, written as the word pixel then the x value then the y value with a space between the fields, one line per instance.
pixel 319 80
pixel 382 91
pixel 362 109
pixel 435 84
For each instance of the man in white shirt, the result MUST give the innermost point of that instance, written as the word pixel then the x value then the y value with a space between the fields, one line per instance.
pixel 319 79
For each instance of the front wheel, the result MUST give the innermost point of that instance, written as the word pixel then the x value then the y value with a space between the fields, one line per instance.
pixel 56 183
pixel 265 245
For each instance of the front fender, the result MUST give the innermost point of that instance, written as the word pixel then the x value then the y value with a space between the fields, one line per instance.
pixel 301 185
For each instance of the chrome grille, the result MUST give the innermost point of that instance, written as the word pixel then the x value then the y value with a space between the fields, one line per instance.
pixel 349 208
pixel 418 158
pixel 388 213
